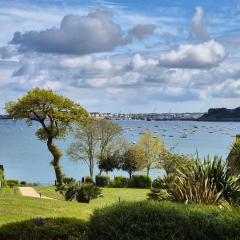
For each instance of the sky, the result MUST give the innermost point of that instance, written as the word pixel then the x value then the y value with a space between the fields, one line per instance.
pixel 123 55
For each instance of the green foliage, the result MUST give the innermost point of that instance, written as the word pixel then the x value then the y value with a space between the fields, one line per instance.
pixel 162 220
pixel 209 182
pixel 161 188
pixel 95 142
pixel 159 194
pixel 109 162
pixel 119 182
pixel 102 181
pixel 140 220
pixel 23 183
pixel 56 115
pixel 132 159
pixel 1 175
pixel 153 148
pixel 80 192
pixel 45 229
pixel 171 162
pixel 140 181
pixel 54 112
pixel 68 180
pixel 233 158
pixel 89 179
pixel 163 183
pixel 12 182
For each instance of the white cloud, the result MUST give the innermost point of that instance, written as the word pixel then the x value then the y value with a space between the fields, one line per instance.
pixel 205 55
pixel 79 35
pixel 198 29
pixel 139 62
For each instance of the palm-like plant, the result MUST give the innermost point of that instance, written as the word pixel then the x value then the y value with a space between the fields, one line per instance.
pixel 209 182
pixel 80 192
pixel 233 158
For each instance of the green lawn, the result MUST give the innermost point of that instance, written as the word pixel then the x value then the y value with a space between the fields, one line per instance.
pixel 14 207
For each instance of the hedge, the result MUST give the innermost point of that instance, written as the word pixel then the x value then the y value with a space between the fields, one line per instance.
pixel 147 220
pixel 154 220
pixel 45 229
pixel 102 181
pixel 119 182
pixel 140 181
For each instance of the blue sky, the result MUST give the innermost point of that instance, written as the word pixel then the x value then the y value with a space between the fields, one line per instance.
pixel 128 56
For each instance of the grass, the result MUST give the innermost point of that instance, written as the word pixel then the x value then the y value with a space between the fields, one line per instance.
pixel 14 207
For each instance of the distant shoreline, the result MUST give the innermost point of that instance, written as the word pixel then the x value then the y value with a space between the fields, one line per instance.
pixel 162 120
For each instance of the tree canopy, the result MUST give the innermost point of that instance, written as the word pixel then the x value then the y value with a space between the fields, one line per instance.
pixel 153 148
pixel 55 113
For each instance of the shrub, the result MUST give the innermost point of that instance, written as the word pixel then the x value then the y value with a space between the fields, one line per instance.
pixel 44 229
pixel 23 183
pixel 68 180
pixel 89 179
pixel 140 181
pixel 119 182
pixel 163 220
pixel 80 192
pixel 102 181
pixel 11 183
pixel 1 175
pixel 158 194
pixel 209 182
pixel 163 183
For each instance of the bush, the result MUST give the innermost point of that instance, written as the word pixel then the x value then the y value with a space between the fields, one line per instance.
pixel 80 192
pixel 207 182
pixel 11 183
pixel 89 180
pixel 1 175
pixel 140 181
pixel 163 220
pixel 163 183
pixel 44 229
pixel 23 183
pixel 68 180
pixel 102 181
pixel 119 182
pixel 159 194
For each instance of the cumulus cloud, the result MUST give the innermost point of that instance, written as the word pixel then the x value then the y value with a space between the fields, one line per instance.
pixel 8 52
pixel 138 62
pixel 198 28
pixel 204 55
pixel 92 33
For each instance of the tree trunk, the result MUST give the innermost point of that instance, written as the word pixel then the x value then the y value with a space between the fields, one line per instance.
pixel 148 170
pixel 55 151
pixel 91 166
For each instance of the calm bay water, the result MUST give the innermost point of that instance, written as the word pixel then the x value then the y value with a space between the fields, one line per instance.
pixel 26 158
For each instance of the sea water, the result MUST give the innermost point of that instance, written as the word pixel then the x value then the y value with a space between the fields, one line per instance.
pixel 27 159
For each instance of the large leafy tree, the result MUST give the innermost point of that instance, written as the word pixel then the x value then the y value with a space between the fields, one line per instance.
pixel 109 134
pixel 153 148
pixel 85 145
pixel 132 159
pixel 95 142
pixel 55 113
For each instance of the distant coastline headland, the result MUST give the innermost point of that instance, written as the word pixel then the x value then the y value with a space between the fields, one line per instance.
pixel 221 114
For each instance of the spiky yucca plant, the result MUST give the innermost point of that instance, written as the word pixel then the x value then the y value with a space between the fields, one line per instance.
pixel 233 159
pixel 209 182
